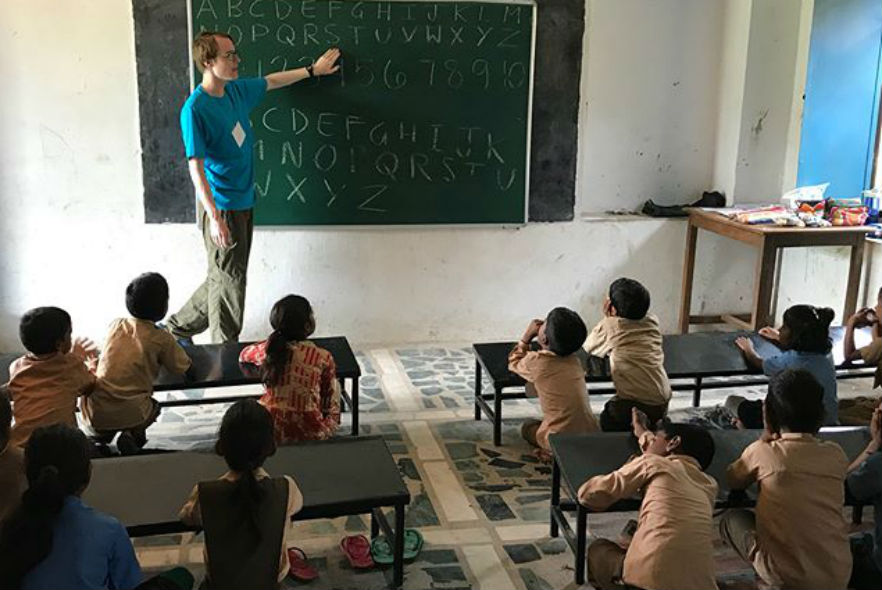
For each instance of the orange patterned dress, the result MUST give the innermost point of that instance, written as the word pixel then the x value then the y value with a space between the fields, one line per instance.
pixel 306 404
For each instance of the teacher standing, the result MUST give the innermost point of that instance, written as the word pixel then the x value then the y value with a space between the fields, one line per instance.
pixel 218 140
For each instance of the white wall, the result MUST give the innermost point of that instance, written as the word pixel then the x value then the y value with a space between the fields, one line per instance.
pixel 649 96
pixel 71 212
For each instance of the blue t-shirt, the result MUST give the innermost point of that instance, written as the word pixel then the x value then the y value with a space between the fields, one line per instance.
pixel 865 484
pixel 217 129
pixel 89 550
pixel 820 366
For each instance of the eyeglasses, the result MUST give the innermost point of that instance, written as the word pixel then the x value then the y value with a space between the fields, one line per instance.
pixel 232 56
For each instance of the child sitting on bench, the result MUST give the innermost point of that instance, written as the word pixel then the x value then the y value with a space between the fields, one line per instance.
pixel 245 440
pixel 805 338
pixel 134 351
pixel 46 383
pixel 556 373
pixel 302 391
pixel 797 537
pixel 632 339
pixel 673 544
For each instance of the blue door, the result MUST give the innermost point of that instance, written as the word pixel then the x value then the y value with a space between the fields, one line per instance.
pixel 842 96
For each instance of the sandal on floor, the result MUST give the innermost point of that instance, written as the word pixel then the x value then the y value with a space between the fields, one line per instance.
pixel 299 567
pixel 358 551
pixel 381 549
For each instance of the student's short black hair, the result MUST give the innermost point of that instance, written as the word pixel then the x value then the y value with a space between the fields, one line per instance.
pixel 565 331
pixel 630 298
pixel 42 328
pixel 5 415
pixel 809 328
pixel 695 441
pixel 795 401
pixel 147 297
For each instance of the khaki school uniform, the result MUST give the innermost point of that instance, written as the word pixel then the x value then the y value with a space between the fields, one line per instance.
pixel 191 513
pixel 12 479
pixel 801 538
pixel 44 391
pixel 673 544
pixel 635 355
pixel 133 353
pixel 560 385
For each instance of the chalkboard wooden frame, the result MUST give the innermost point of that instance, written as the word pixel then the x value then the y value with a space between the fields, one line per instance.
pixel 161 32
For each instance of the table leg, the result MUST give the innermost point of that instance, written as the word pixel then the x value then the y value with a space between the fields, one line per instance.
pixel 764 286
pixel 398 556
pixel 688 273
pixel 581 536
pixel 555 495
pixel 355 406
pixel 497 419
pixel 696 393
pixel 477 389
pixel 375 524
pixel 854 278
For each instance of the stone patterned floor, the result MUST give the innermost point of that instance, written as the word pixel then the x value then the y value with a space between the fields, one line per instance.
pixel 482 510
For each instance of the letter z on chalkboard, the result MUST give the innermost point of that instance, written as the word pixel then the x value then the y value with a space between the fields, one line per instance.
pixel 427 122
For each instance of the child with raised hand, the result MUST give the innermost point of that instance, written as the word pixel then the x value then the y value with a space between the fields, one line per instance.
pixel 245 441
pixel 53 539
pixel 302 391
pixel 797 537
pixel 134 351
pixel 45 384
pixel 804 337
pixel 673 544
pixel 12 479
pixel 631 336
pixel 864 483
pixel 557 374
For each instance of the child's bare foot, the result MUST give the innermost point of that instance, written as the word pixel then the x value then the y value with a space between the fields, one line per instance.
pixel 543 456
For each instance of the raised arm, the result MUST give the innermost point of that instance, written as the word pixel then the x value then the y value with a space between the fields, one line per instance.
pixel 323 66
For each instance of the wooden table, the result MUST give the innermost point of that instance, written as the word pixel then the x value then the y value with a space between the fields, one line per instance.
pixel 338 477
pixel 769 239
pixel 706 360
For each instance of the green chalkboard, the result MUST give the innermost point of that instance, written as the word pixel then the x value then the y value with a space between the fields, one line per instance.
pixel 427 122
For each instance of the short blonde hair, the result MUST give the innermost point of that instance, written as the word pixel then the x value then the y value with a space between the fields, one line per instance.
pixel 205 47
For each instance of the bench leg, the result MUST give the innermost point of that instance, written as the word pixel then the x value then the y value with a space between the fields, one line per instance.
pixel 497 419
pixel 398 556
pixel 581 537
pixel 375 524
pixel 477 389
pixel 555 496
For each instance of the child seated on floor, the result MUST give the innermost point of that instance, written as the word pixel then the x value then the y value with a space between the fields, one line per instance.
pixel 302 391
pixel 858 411
pixel 245 441
pixel 12 478
pixel 673 544
pixel 53 539
pixel 805 339
pixel 632 339
pixel 797 537
pixel 557 374
pixel 134 351
pixel 44 385
pixel 864 483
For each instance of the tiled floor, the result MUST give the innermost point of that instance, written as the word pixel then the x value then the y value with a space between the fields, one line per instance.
pixel 482 510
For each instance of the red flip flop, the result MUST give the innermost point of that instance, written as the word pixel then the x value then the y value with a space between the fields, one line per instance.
pixel 358 550
pixel 299 567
